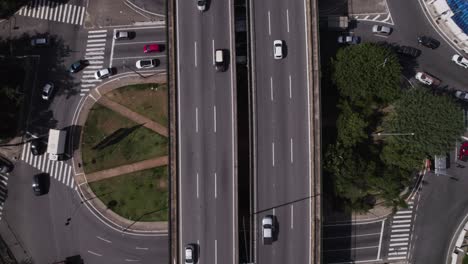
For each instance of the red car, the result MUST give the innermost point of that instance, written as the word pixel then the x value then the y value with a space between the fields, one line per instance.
pixel 152 48
pixel 463 151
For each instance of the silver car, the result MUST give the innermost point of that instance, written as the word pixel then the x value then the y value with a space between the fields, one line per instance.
pixel 460 61
pixel 103 73
pixel 383 30
pixel 201 5
pixel 47 90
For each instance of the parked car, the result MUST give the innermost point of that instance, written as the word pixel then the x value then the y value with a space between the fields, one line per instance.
pixel 268 229
pixel 201 5
pixel 463 152
pixel 408 51
pixel 461 61
pixel 152 48
pixel 190 253
pixel 40 184
pixel 121 35
pixel 77 66
pixel 427 79
pixel 47 90
pixel 35 42
pixel 5 166
pixel 278 49
pixel 428 42
pixel 103 73
pixel 379 29
pixel 37 147
pixel 146 63
pixel 349 39
pixel 461 95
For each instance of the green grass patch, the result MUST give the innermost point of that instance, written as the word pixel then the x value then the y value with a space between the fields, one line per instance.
pixel 140 144
pixel 139 196
pixel 149 100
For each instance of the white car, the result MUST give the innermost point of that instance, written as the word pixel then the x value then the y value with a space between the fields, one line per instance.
pixel 201 5
pixel 268 229
pixel 103 73
pixel 146 64
pixel 427 79
pixel 190 254
pixel 461 61
pixel 278 49
pixel 384 30
pixel 461 95
pixel 47 90
pixel 121 35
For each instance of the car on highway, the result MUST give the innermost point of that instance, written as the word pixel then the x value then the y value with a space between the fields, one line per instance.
pixel 40 184
pixel 268 229
pixel 460 61
pixel 349 39
pixel 103 73
pixel 461 95
pixel 427 79
pixel 37 147
pixel 463 152
pixel 201 5
pixel 47 91
pixel 408 51
pixel 152 48
pixel 122 35
pixel 220 60
pixel 383 30
pixel 5 167
pixel 278 49
pixel 428 42
pixel 146 63
pixel 77 66
pixel 38 42
pixel 190 254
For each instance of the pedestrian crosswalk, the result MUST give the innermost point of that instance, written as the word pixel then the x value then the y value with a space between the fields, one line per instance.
pixel 95 47
pixel 54 11
pixel 400 233
pixel 58 170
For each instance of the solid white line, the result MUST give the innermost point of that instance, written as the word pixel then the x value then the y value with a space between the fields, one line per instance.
pixel 195 53
pixel 35 158
pixel 93 53
pixel 112 50
pixel 91 81
pixel 269 24
pixel 380 239
pixel 56 10
pixel 82 16
pixel 398 244
pixel 292 216
pixel 47 7
pixel 34 9
pixel 401 221
pixel 64 14
pixel 43 164
pixel 287 19
pixel 104 239
pixel 400 235
pixel 273 153
pixel 400 230
pixel 70 14
pixel 48 165
pixel 23 153
pixel 95 49
pixel 401 216
pixel 396 258
pixel 42 8
pixel 94 57
pixel 70 177
pixel 196 119
pixel 398 248
pixel 98 31
pixel 96 45
pixel 88 76
pixel 96 40
pixel 290 87
pixel 61 12
pixel 398 226
pixel 271 88
pixel 216 251
pixel 399 239
pixel 28 153
pixel 197 184
pixel 215 185
pixel 52 167
pixel 79 11
pixel 213 51
pixel 94 253
pixel 214 117
pixel 97 36
pixel 292 156
pixel 404 212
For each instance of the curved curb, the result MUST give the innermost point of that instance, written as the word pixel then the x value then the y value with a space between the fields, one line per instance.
pixel 455 244
pixel 87 196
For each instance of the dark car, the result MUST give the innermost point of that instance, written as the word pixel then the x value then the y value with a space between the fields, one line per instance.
pixel 190 253
pixel 37 147
pixel 409 51
pixel 77 66
pixel 349 39
pixel 428 42
pixel 5 167
pixel 40 184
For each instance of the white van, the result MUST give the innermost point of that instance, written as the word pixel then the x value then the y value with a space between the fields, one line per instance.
pixel 220 60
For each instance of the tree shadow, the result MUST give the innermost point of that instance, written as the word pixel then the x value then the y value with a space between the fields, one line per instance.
pixel 116 137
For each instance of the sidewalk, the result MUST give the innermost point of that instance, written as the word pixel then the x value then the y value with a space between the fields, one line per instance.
pixel 129 168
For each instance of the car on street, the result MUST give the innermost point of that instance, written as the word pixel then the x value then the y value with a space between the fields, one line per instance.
pixel 40 184
pixel 427 79
pixel 461 95
pixel 268 229
pixel 152 48
pixel 463 152
pixel 349 39
pixel 428 42
pixel 77 66
pixel 461 61
pixel 190 254
pixel 278 49
pixel 37 42
pixel 201 5
pixel 146 63
pixel 383 30
pixel 220 60
pixel 37 147
pixel 47 91
pixel 103 73
pixel 121 35
pixel 408 51
pixel 5 167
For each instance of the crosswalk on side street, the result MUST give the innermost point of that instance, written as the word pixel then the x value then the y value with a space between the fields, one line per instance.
pixel 54 11
pixel 400 235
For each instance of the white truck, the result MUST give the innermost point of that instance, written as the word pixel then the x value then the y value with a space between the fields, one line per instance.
pixel 56 145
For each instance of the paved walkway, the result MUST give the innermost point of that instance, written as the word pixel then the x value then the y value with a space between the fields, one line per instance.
pixel 129 168
pixel 137 118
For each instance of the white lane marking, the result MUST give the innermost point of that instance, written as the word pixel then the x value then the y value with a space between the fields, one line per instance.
pixel 214 117
pixel 105 240
pixel 23 153
pixel 376 17
pixel 95 40
pixel 399 235
pixel 398 226
pixel 398 248
pixel 401 221
pixel 398 244
pixel 269 24
pixel 197 184
pixel 290 87
pixel 196 119
pixel 404 212
pixel 216 251
pixel 94 57
pixel 274 212
pixel 273 153
pixel 94 253
pixel 96 62
pixel 401 216
pixel 213 50
pixel 82 16
pixel 69 14
pixel 97 36
pixel 56 10
pixel 95 50
pixel 292 216
pixel 195 48
pixel 141 248
pixel 73 14
pixel 47 7
pixel 271 88
pixel 112 50
pixel 400 230
pixel 97 31
pixel 215 185
pixel 70 177
pixel 59 13
pixel 396 258
pixel 287 19
pixel 79 11
pixel 380 239
pixel 59 171
pixel 399 239
pixel 292 151
pixel 42 8
pixel 96 45
pixel 94 67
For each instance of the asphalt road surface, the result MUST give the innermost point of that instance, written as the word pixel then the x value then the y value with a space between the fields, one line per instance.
pixel 282 130
pixel 207 202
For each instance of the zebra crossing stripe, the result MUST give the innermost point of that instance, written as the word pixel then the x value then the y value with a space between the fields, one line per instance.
pixel 48 165
pixel 404 212
pixel 23 153
pixel 95 49
pixel 400 230
pixel 398 244
pixel 97 31
pixel 43 163
pixel 97 36
pixel 401 221
pixel 59 171
pixel 398 226
pixel 399 239
pixel 70 176
pixel 397 253
pixel 96 40
pixel 96 45
pixel 59 16
pixel 79 11
pixel 399 235
pixel 56 11
pixel 402 216
pixel 47 10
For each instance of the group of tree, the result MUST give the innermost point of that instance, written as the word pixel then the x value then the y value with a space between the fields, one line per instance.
pixel 415 124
